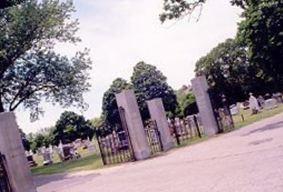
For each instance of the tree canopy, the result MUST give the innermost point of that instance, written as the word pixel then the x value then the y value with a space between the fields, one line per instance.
pixel 72 126
pixel 178 9
pixel 260 35
pixel 229 71
pixel 262 32
pixel 149 83
pixel 109 104
pixel 30 69
pixel 186 102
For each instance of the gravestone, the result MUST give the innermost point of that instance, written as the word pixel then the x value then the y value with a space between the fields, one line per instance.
pixel 270 104
pixel 200 88
pixel 234 110
pixel 90 146
pixel 157 113
pixel 47 156
pixel 11 146
pixel 127 100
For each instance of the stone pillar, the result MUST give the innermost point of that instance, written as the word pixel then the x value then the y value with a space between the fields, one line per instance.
pixel 157 113
pixel 127 100
pixel 200 88
pixel 11 146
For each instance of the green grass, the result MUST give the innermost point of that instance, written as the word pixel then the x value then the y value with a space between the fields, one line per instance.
pixel 91 162
pixel 254 118
pixel 86 163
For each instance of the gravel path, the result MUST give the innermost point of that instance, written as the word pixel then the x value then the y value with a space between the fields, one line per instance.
pixel 246 160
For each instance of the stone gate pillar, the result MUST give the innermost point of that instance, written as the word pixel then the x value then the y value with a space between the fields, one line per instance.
pixel 127 100
pixel 11 146
pixel 157 113
pixel 200 88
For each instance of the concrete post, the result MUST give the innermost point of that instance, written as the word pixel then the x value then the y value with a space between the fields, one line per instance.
pixel 127 100
pixel 157 113
pixel 200 88
pixel 11 146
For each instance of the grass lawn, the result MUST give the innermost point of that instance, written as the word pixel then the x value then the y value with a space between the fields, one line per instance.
pixel 86 163
pixel 91 162
pixel 254 118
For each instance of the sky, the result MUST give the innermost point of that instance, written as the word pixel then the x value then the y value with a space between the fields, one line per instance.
pixel 120 33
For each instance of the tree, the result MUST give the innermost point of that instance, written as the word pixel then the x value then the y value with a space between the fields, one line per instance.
pixel 262 32
pixel 229 71
pixel 9 3
pixel 178 9
pixel 43 138
pixel 71 127
pixel 109 105
pixel 186 101
pixel 30 69
pixel 149 83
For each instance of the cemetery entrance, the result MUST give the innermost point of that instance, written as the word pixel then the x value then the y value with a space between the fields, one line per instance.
pixel 4 179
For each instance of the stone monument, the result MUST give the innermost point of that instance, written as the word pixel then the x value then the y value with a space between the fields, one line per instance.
pixel 200 88
pixel 11 146
pixel 127 101
pixel 157 113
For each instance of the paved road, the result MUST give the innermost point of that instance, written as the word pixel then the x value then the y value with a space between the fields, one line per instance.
pixel 246 160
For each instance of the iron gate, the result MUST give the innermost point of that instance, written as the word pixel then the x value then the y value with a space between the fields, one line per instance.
pixel 4 179
pixel 115 148
pixel 153 137
pixel 186 129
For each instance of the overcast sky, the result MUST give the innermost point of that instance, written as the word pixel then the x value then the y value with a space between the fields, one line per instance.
pixel 120 33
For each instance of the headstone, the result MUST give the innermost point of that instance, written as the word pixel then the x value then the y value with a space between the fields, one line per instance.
pixel 157 113
pixel 11 146
pixel 90 146
pixel 234 110
pixel 270 104
pixel 200 88
pixel 127 100
pixel 47 156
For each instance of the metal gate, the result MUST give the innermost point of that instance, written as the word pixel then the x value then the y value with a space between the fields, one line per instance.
pixel 153 137
pixel 4 179
pixel 186 129
pixel 116 147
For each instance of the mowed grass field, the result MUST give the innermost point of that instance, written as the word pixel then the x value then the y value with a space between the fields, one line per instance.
pixel 254 118
pixel 93 161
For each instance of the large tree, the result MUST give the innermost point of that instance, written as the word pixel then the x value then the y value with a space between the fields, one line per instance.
pixel 72 126
pixel 229 71
pixel 109 105
pixel 149 83
pixel 30 69
pixel 262 32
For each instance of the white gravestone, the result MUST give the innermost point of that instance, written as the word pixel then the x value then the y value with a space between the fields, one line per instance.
pixel 270 104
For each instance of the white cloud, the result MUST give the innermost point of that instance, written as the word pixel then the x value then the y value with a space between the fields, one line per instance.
pixel 121 33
